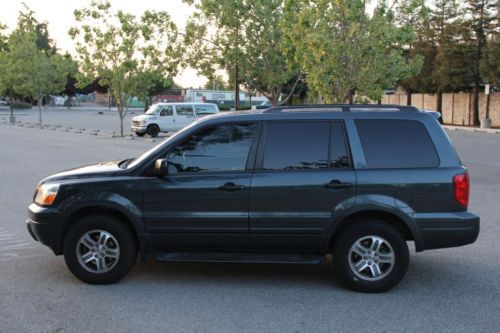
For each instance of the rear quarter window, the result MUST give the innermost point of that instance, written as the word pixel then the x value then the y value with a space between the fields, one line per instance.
pixel 392 143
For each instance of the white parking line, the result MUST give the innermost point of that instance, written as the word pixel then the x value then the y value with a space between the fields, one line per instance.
pixel 9 242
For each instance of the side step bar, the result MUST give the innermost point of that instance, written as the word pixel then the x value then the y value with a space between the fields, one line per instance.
pixel 239 258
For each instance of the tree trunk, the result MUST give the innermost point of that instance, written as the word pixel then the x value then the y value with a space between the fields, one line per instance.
pixel 39 104
pixel 236 88
pixel 408 96
pixel 439 104
pixel 487 115
pixel 475 102
pixel 120 114
pixel 351 95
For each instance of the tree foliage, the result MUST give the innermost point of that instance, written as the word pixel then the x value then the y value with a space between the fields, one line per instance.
pixel 247 40
pixel 124 51
pixel 30 67
pixel 343 50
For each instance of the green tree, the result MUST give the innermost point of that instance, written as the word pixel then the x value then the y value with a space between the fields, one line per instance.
pixel 412 16
pixel 248 43
pixel 117 47
pixel 3 38
pixel 344 51
pixel 145 84
pixel 28 69
pixel 215 82
pixel 480 15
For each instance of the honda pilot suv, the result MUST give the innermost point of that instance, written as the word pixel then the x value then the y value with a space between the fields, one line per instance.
pixel 284 185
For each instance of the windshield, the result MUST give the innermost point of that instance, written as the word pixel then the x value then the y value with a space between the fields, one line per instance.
pixel 153 109
pixel 159 147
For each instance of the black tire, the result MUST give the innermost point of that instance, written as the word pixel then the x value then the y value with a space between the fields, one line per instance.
pixel 153 131
pixel 140 134
pixel 344 258
pixel 127 246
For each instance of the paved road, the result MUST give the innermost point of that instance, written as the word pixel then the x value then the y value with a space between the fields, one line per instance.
pixel 78 117
pixel 449 290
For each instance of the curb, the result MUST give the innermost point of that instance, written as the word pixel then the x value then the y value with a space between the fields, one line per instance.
pixel 472 129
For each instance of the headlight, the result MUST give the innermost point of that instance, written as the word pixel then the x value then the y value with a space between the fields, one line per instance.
pixel 142 122
pixel 46 194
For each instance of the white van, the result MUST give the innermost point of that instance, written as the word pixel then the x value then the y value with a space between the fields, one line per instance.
pixel 170 117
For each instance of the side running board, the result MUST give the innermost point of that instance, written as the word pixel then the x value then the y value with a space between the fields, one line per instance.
pixel 239 258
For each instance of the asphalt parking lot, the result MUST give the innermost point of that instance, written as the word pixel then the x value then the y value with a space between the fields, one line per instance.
pixel 448 290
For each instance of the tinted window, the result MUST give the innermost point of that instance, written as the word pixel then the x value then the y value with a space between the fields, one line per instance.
pixel 396 144
pixel 296 145
pixel 205 109
pixel 184 110
pixel 220 148
pixel 339 157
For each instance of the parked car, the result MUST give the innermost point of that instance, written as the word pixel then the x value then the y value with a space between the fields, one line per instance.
pixel 283 185
pixel 170 117
pixel 3 103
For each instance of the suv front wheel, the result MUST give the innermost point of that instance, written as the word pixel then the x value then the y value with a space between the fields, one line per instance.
pixel 100 249
pixel 371 256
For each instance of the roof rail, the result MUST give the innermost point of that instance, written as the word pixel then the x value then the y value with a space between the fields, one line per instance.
pixel 341 108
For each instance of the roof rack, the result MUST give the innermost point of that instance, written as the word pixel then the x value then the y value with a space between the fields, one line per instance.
pixel 341 108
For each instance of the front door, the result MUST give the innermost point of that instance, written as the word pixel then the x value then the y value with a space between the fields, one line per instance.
pixel 303 175
pixel 203 201
pixel 166 118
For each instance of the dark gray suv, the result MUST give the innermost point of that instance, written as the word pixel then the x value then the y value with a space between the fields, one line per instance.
pixel 282 185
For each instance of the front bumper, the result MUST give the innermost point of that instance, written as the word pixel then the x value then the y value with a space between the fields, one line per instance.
pixel 138 129
pixel 440 230
pixel 46 226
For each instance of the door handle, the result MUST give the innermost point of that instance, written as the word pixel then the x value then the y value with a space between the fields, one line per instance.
pixel 230 187
pixel 337 184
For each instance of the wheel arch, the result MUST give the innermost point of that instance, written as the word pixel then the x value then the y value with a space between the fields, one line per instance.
pixel 404 225
pixel 94 209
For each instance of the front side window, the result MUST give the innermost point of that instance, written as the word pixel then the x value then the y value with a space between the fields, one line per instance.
pixel 296 145
pixel 184 110
pixel 392 143
pixel 219 148
pixel 167 110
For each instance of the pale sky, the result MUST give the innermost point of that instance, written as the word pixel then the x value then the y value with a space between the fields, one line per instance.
pixel 59 15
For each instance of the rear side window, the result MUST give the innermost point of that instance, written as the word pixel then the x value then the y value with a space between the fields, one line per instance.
pixel 396 144
pixel 339 155
pixel 205 109
pixel 184 110
pixel 296 145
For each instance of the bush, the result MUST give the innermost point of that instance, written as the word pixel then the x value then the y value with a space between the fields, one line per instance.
pixel 20 105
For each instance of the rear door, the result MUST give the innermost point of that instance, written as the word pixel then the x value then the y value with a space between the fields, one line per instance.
pixel 184 115
pixel 303 174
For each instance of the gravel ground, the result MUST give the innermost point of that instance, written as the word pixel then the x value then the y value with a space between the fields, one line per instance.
pixel 448 290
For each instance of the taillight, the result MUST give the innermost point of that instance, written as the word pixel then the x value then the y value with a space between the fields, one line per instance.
pixel 461 185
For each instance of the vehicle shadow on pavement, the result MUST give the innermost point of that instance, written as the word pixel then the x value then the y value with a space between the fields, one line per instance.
pixel 235 274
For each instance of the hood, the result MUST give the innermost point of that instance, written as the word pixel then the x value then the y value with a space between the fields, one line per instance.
pixel 89 171
pixel 141 117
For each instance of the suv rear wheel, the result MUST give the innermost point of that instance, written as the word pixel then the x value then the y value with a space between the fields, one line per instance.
pixel 371 256
pixel 100 249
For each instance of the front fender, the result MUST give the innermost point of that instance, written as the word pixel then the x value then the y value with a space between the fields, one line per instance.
pixel 106 200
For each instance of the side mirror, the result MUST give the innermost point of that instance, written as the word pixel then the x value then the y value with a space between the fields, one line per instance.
pixel 161 167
